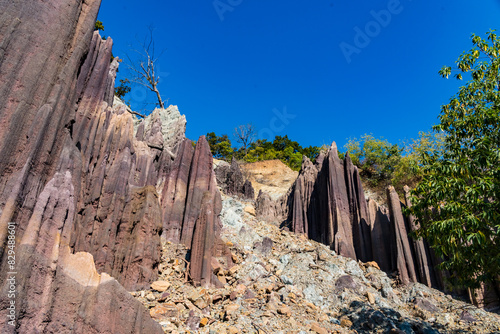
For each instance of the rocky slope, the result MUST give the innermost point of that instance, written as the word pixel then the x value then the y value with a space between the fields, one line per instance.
pixel 281 282
pixel 327 203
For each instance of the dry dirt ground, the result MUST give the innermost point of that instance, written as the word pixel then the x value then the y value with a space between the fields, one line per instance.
pixel 271 176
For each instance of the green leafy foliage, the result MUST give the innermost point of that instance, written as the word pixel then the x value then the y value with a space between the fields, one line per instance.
pixel 122 89
pixel 282 148
pixel 408 171
pixel 98 25
pixel 220 146
pixel 376 158
pixel 457 201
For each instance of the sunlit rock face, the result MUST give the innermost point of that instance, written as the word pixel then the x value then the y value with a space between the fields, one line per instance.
pixel 84 188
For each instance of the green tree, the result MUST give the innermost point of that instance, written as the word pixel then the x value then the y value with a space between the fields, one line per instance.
pixel 122 89
pixel 220 146
pixel 376 158
pixel 311 152
pixel 408 170
pixel 353 147
pixel 281 143
pixel 98 25
pixel 457 203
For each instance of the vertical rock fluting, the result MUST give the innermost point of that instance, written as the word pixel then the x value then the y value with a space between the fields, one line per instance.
pixel 191 206
pixel 118 216
pixel 380 235
pixel 54 64
pixel 320 204
pixel 327 203
pixel 358 211
pixel 302 196
pixel 42 45
pixel 402 257
pixel 424 258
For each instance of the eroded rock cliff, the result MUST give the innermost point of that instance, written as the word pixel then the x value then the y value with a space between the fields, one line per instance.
pixel 86 192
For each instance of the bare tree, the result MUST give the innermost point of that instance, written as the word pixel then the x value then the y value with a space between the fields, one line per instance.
pixel 144 72
pixel 245 135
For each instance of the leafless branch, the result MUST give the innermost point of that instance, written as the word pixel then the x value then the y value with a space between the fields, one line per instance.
pixel 144 71
pixel 245 135
pixel 136 113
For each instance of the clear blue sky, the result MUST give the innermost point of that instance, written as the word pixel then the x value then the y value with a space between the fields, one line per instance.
pixel 282 65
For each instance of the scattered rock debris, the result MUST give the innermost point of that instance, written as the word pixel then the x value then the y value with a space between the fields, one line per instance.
pixel 284 283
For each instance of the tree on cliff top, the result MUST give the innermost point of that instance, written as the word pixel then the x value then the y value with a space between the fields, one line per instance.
pixel 245 135
pixel 145 71
pixel 457 203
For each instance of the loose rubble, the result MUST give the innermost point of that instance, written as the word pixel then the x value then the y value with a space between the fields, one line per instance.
pixel 282 282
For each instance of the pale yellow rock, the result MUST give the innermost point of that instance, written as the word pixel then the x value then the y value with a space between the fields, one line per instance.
pixel 199 298
pixel 371 297
pixel 240 288
pixel 231 308
pixel 222 279
pixel 235 258
pixel 232 330
pixel 233 270
pixel 311 305
pixel 285 310
pixel 162 311
pixel 160 286
pixel 270 288
pixel 318 329
pixel 203 322
pixel 250 210
pixel 345 322
pixel 373 264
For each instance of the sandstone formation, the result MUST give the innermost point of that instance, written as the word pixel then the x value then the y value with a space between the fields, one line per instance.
pixel 273 210
pixel 87 191
pixel 90 195
pixel 271 176
pixel 404 259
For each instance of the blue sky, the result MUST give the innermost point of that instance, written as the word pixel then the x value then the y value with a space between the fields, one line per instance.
pixel 318 72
